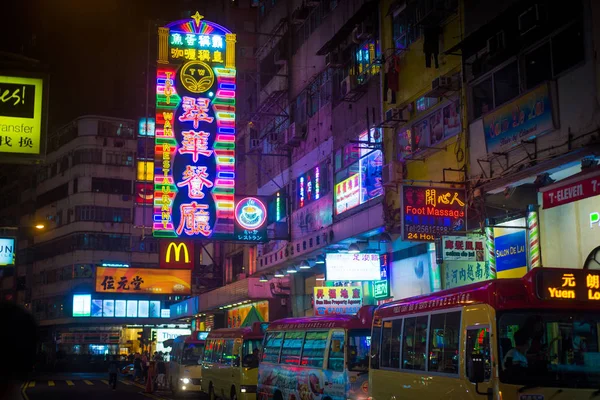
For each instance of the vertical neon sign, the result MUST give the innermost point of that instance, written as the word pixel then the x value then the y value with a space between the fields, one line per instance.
pixel 194 177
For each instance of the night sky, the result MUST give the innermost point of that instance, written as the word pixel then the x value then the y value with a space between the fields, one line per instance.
pixel 94 50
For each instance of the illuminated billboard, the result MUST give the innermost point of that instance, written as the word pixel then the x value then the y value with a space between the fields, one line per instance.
pixel 143 280
pixel 195 131
pixel 86 306
pixel 146 127
pixel 22 118
pixel 352 267
pixel 176 254
pixel 7 251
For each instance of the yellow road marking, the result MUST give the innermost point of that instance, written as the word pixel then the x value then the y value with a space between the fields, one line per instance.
pixel 31 384
pixel 88 382
pixel 70 383
pixel 126 383
pixel 104 381
pixel 50 383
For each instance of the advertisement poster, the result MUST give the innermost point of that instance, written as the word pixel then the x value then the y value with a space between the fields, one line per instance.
pixel 420 134
pixel 436 127
pixel 352 267
pixel 166 334
pixel 511 248
pixel 312 217
pixel 337 300
pixel 430 212
pixel 143 280
pixel 463 248
pixel 522 119
pixel 411 276
pixel 370 169
pixel 7 251
pixel 247 314
pixel 452 125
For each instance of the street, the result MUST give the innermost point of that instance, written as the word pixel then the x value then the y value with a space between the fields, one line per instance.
pixel 86 386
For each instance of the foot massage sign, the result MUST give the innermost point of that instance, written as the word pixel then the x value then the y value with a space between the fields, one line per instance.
pixel 194 179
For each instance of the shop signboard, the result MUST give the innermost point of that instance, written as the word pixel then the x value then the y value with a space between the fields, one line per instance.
pixel 347 194
pixel 143 280
pixel 146 126
pixel 84 305
pixel 352 267
pixel 580 189
pixel 7 251
pixel 431 212
pixel 144 194
pixel 337 300
pixel 510 243
pixel 381 288
pixel 195 131
pixel 463 248
pixel 176 254
pixel 460 273
pixel 525 118
pixel 250 219
pixel 145 171
pixel 22 124
pixel 309 185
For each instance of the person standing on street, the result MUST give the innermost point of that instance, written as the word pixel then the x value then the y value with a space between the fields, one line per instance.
pixel 145 362
pixel 137 367
pixel 113 369
pixel 162 372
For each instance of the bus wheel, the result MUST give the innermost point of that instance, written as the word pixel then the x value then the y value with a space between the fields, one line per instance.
pixel 233 393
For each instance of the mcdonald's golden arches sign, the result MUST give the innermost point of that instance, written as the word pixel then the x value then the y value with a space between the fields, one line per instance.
pixel 176 254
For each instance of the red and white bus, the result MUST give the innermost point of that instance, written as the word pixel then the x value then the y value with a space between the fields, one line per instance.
pixel 527 339
pixel 316 358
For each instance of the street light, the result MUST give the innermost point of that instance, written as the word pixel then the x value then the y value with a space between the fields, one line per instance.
pixel 304 264
pixel 40 226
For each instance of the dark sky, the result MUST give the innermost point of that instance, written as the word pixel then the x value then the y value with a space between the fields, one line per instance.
pixel 95 50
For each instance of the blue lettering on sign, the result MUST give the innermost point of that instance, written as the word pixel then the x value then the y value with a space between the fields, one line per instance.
pixel 511 251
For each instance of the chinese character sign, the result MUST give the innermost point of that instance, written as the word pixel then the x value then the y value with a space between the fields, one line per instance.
pixel 250 219
pixel 352 267
pixel 430 212
pixel 337 300
pixel 194 178
pixel 463 248
pixel 568 284
pixel 143 280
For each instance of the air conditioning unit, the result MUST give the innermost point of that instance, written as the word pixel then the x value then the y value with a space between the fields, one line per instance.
pixel 295 134
pixel 397 114
pixel 348 85
pixel 273 137
pixel 334 60
pixel 254 143
pixel 529 20
pixel 392 173
pixel 440 86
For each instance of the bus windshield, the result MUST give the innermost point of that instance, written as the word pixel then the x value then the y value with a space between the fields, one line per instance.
pixel 555 349
pixel 359 344
pixel 192 354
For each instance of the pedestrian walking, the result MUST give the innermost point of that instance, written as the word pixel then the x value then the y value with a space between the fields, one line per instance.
pixel 145 363
pixel 162 373
pixel 137 367
pixel 113 370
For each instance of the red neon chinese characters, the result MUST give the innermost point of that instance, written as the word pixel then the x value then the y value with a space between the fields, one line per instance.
pixel 195 143
pixel 195 220
pixel 195 110
pixel 195 179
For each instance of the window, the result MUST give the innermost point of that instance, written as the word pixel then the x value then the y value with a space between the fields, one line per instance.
pixel 359 344
pixel 414 345
pixel 115 129
pixel 102 214
pixel 217 351
pixel 336 351
pixel 117 158
pixel 375 344
pixel 228 353
pixel 292 347
pixel 444 335
pixel 208 350
pixel 538 66
pixel 112 186
pixel 483 98
pixel 405 29
pixel 506 83
pixel 272 347
pixel 386 344
pixel 251 345
pixel 52 195
pixel 568 48
pixel 313 351
pixel 478 344
pixel 87 156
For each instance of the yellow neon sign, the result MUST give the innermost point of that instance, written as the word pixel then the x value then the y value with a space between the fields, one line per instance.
pixel 177 247
pixel 568 288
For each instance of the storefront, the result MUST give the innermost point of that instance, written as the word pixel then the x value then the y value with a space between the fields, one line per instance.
pixel 570 221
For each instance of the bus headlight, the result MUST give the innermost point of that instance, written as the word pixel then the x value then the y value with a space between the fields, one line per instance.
pixel 185 381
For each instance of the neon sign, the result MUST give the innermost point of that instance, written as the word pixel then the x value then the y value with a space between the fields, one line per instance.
pixel 250 219
pixel 194 179
pixel 577 285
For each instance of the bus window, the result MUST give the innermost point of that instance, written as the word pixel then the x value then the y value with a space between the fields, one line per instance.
pixel 250 352
pixel 292 346
pixel 336 352
pixel 192 354
pixel 444 333
pixel 272 347
pixel 390 344
pixel 414 346
pixel 386 344
pixel 375 344
pixel 228 355
pixel 217 351
pixel 478 344
pixel 358 350
pixel 313 351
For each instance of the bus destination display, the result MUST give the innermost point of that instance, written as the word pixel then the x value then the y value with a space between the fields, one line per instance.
pixel 579 285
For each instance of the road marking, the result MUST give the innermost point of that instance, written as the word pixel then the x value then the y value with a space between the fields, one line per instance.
pixel 50 383
pixel 126 383
pixel 152 396
pixel 24 391
pixel 70 383
pixel 104 381
pixel 88 382
pixel 31 384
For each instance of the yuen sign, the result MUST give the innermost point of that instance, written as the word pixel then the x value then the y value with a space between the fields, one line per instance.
pixel 572 285
pixel 22 118
pixel 176 254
